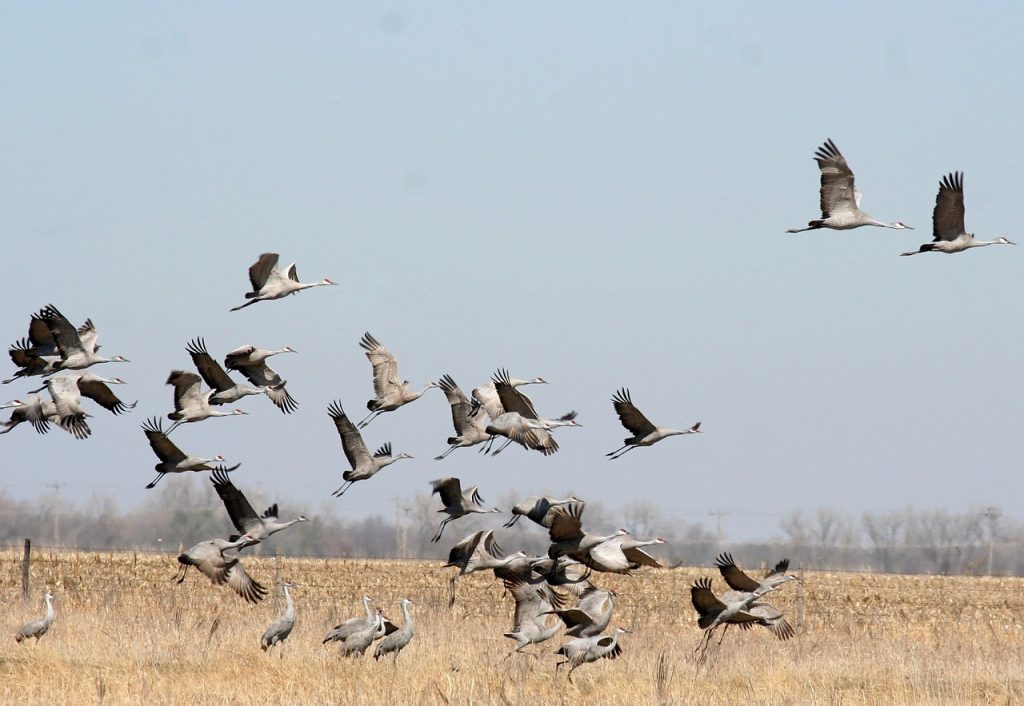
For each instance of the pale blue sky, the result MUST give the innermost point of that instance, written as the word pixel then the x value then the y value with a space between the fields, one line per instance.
pixel 592 192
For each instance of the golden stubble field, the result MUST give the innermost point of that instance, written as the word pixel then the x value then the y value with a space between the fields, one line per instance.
pixel 125 633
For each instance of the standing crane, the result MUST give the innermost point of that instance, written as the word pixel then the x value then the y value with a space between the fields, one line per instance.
pixel 252 363
pixel 840 200
pixel 468 418
pixel 279 630
pixel 391 392
pixel 644 432
pixel 191 404
pixel 456 502
pixel 217 559
pixel 342 630
pixel 268 282
pixel 396 641
pixel 363 464
pixel 948 230
pixel 243 517
pixel 173 459
pixel 39 627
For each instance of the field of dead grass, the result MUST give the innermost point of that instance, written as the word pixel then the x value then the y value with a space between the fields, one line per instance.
pixel 125 633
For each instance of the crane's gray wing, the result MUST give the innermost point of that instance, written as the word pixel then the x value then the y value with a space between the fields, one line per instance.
pixel 239 358
pixel 733 576
pixel 351 440
pixel 260 270
pixel 64 391
pixel 41 337
pixel 636 555
pixel 948 216
pixel 487 396
pixel 164 448
pixel 293 273
pixel 88 335
pixel 264 376
pixel 772 619
pixel 464 549
pixel 779 569
pixel 594 602
pixel 243 517
pixel 566 522
pixel 511 399
pixel 101 394
pixel 65 335
pixel 837 187
pixel 460 405
pixel 450 490
pixel 705 602
pixel 244 585
pixel 631 417
pixel 385 367
pixel 210 370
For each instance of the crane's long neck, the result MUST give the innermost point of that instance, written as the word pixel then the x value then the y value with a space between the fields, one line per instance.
pixel 405 614
pixel 289 607
pixel 49 609
pixel 370 617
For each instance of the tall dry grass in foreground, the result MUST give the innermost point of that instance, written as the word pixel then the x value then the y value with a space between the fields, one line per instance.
pixel 126 634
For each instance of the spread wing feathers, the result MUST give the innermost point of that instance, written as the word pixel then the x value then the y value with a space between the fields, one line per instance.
pixel 593 601
pixel 636 555
pixel 837 188
pixel 239 358
pixel 511 399
pixel 164 448
pixel 102 395
pixel 244 585
pixel 532 601
pixel 462 410
pixel 613 652
pixel 631 417
pixel 186 387
pixel 281 398
pixel 770 617
pixel 705 602
pixel 262 375
pixel 293 273
pixel 734 576
pixel 24 355
pixel 65 335
pixel 383 451
pixel 450 490
pixel 351 440
pixel 260 270
pixel 948 216
pixel 385 367
pixel 566 522
pixel 74 425
pixel 243 517
pixel 210 370
pixel 64 390
pixel 270 513
pixel 480 542
pixel 41 337
pixel 780 568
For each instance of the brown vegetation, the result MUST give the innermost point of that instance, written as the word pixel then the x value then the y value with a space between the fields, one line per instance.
pixel 126 634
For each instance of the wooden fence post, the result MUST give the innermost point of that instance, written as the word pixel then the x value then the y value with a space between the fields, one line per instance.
pixel 25 562
pixel 277 580
pixel 800 601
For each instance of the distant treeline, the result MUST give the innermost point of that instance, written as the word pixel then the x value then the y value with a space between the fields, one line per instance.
pixel 977 542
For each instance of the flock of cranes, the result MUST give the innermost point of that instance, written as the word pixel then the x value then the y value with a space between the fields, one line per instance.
pixel 550 592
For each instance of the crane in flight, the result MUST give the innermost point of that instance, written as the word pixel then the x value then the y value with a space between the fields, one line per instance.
pixel 948 230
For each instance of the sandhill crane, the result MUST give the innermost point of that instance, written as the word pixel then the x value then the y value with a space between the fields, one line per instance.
pixel 39 627
pixel 268 282
pixel 40 413
pixel 468 418
pixel 67 401
pixel 567 535
pixel 519 421
pixel 565 572
pixel 531 622
pixel 67 391
pixel 363 464
pixel 619 555
pixel 456 502
pixel 538 509
pixel 243 517
pixel 279 630
pixel 487 394
pixel 37 354
pixel 341 631
pixel 770 617
pixel 948 230
pixel 77 349
pixel 591 615
pixel 739 581
pixel 713 611
pixel 173 459
pixel 477 552
pixel 391 391
pixel 252 363
pixel 584 650
pixel 644 432
pixel 225 389
pixel 191 404
pixel 397 640
pixel 218 560
pixel 840 200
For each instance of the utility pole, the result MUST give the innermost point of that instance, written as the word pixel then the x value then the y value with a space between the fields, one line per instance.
pixel 718 515
pixel 56 511
pixel 992 514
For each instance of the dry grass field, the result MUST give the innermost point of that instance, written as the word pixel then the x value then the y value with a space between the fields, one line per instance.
pixel 126 634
